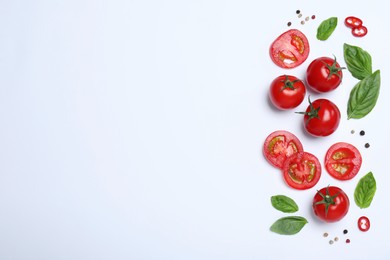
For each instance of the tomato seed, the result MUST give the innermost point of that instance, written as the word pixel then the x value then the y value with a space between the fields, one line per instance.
pixel 367 145
pixel 362 133
pixel 345 231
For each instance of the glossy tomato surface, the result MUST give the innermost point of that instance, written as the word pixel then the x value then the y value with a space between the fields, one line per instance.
pixel 280 145
pixel 330 204
pixel 287 92
pixel 302 171
pixel 290 49
pixel 322 117
pixel 324 74
pixel 343 161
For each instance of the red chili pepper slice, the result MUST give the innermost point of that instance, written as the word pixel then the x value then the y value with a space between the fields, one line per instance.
pixel 364 223
pixel 359 31
pixel 352 22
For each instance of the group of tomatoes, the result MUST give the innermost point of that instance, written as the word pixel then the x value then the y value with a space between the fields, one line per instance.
pixel 302 170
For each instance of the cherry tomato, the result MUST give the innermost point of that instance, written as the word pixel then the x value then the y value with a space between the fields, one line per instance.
pixel 343 161
pixel 352 22
pixel 287 92
pixel 302 170
pixel 290 49
pixel 364 223
pixel 330 204
pixel 324 74
pixel 280 145
pixel 359 31
pixel 322 117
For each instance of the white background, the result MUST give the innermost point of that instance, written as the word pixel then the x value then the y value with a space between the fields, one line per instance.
pixel 133 130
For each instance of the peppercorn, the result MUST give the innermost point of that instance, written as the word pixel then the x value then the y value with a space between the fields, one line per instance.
pixel 298 11
pixel 367 145
pixel 289 24
pixel 348 241
pixel 362 133
pixel 345 231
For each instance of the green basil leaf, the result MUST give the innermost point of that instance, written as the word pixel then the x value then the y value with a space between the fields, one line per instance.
pixel 365 191
pixel 288 225
pixel 284 204
pixel 363 96
pixel 358 61
pixel 326 28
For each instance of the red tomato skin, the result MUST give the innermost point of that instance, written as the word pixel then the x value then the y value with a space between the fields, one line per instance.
pixel 364 223
pixel 328 118
pixel 336 211
pixel 301 162
pixel 290 49
pixel 348 155
pixel 286 97
pixel 352 22
pixel 280 145
pixel 320 78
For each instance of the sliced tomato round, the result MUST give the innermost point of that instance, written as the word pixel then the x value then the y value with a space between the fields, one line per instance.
pixel 343 161
pixel 302 170
pixel 280 145
pixel 290 49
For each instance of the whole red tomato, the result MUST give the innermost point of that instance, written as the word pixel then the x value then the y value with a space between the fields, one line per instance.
pixel 287 92
pixel 324 74
pixel 322 117
pixel 330 204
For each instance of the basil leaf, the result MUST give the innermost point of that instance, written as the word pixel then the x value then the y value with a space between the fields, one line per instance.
pixel 284 204
pixel 326 28
pixel 365 191
pixel 358 61
pixel 288 225
pixel 363 96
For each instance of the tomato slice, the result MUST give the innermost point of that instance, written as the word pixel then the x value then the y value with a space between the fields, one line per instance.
pixel 343 161
pixel 359 31
pixel 290 49
pixel 364 223
pixel 280 145
pixel 352 22
pixel 302 171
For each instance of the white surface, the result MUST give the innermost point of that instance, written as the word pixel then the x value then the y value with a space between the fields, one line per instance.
pixel 133 130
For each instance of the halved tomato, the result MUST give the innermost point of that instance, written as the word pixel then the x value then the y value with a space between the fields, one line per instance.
pixel 290 49
pixel 302 171
pixel 343 161
pixel 280 145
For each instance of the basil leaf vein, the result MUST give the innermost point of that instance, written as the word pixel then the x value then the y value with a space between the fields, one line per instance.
pixel 284 204
pixel 363 96
pixel 326 28
pixel 358 61
pixel 365 191
pixel 288 225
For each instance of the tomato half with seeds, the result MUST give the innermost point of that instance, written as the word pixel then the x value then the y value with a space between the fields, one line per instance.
pixel 302 170
pixel 343 161
pixel 280 145
pixel 290 49
pixel 330 204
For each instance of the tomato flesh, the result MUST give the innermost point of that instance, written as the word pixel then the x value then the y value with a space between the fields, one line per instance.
pixel 290 49
pixel 302 171
pixel 364 224
pixel 280 145
pixel 343 161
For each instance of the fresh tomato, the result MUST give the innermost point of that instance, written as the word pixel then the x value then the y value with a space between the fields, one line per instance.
pixel 352 22
pixel 364 224
pixel 280 145
pixel 302 171
pixel 290 49
pixel 287 92
pixel 322 117
pixel 359 31
pixel 324 74
pixel 343 161
pixel 330 204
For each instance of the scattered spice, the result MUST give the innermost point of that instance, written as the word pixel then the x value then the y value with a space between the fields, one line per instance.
pixel 302 22
pixel 289 24
pixel 299 15
pixel 326 234
pixel 298 11
pixel 336 239
pixel 313 17
pixel 352 131
pixel 367 145
pixel 345 231
pixel 331 242
pixel 307 18
pixel 362 133
pixel 347 241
